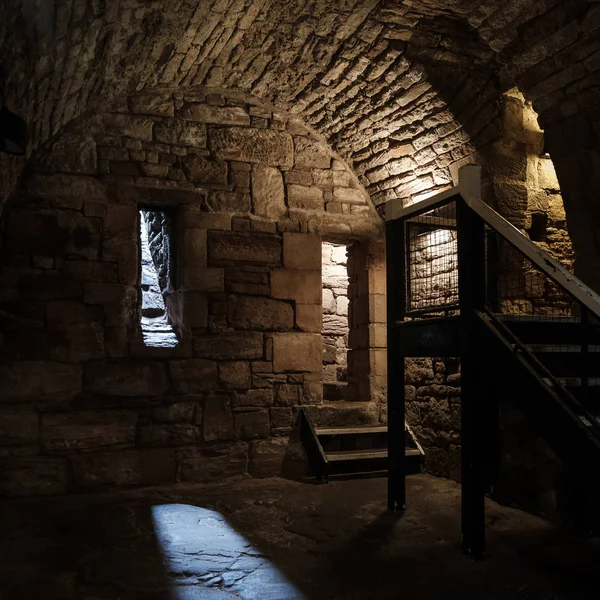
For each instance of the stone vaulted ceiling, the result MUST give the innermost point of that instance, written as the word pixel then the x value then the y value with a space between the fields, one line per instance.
pixel 396 86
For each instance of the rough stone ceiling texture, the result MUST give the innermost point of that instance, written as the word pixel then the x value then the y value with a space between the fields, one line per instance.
pixel 393 85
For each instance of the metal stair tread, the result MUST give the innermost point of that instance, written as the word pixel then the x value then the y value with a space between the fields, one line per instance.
pixel 576 381
pixel 341 455
pixel 351 429
pixel 536 319
pixel 559 348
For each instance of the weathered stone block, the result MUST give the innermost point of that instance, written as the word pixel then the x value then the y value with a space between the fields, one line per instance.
pixel 19 426
pixel 53 233
pixel 87 270
pixel 178 434
pixel 212 463
pixel 120 248
pixel 234 247
pixel 179 412
pixel 66 186
pixel 349 196
pixel 44 289
pixel 235 375
pixel 192 217
pixel 252 424
pixel 268 196
pixel 222 115
pixel 342 306
pixel 71 154
pixel 272 148
pixel 76 343
pixel 204 170
pixel 131 378
pixel 253 312
pixel 132 467
pixel 85 430
pixel 236 345
pixel 152 104
pixel 304 286
pixel 68 312
pixel 305 197
pixel 195 309
pixel 309 317
pixel 193 375
pixel 288 394
pixel 217 418
pixel 203 279
pixel 116 342
pixel 123 313
pixel 184 133
pixel 335 325
pixel 301 251
pixel 297 352
pixel 25 380
pixel 329 304
pixel 151 170
pixel 255 398
pixel 33 476
pixel 121 219
pixel 237 202
pixel 266 457
pixel 281 417
pixel 310 154
pixel 129 125
pixel 299 177
pixel 103 293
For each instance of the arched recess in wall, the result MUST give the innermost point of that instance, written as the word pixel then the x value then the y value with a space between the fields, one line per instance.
pixel 252 191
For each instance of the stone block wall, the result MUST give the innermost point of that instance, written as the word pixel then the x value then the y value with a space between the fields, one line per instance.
pixel 433 412
pixel 83 402
pixel 433 274
pixel 335 312
pixel 367 314
pixel 158 226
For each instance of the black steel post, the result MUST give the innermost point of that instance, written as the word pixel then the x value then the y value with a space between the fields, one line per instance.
pixel 585 356
pixel 395 271
pixel 472 290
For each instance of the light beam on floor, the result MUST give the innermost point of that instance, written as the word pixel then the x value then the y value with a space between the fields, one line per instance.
pixel 207 559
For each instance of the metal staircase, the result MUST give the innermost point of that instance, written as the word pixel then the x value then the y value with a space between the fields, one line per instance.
pixel 463 282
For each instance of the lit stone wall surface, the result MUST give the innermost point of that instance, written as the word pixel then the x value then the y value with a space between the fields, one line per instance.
pixel 335 312
pixel 85 402
pixel 433 273
pixel 403 90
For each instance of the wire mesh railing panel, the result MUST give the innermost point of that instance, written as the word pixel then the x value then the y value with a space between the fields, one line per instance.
pixel 432 262
pixel 518 287
pixel 552 324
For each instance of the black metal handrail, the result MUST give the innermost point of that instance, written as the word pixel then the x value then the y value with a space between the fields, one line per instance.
pixel 483 239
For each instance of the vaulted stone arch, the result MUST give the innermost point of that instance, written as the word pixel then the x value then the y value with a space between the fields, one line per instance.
pixel 401 89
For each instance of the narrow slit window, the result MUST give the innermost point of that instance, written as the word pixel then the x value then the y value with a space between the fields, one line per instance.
pixel 156 278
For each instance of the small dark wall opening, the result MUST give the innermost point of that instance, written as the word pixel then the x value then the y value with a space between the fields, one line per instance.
pixel 156 277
